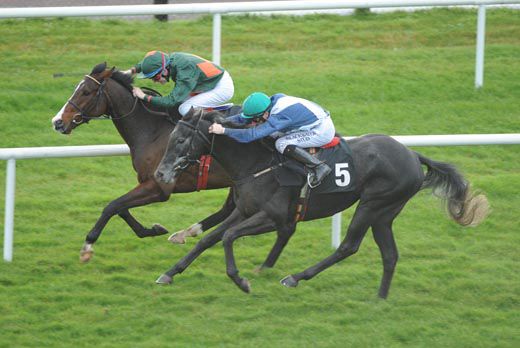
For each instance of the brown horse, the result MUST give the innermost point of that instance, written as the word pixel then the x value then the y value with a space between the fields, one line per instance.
pixel 146 131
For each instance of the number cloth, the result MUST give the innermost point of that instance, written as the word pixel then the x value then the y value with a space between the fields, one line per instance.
pixel 341 179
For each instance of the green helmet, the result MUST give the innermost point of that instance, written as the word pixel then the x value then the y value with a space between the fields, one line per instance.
pixel 153 63
pixel 255 105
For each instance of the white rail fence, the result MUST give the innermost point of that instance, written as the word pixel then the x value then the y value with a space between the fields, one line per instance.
pixel 13 154
pixel 217 9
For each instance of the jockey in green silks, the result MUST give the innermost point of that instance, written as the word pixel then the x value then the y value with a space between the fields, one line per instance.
pixel 198 82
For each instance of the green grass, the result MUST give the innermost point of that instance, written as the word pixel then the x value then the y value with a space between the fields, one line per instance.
pixel 399 73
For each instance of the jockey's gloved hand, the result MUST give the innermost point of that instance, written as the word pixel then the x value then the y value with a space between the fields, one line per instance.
pixel 138 93
pixel 217 128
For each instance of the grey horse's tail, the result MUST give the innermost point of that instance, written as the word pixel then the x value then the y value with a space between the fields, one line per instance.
pixel 464 206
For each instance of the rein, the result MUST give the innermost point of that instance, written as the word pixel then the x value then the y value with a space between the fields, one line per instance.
pixel 82 113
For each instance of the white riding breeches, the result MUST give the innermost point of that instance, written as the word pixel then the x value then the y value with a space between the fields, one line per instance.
pixel 317 136
pixel 219 95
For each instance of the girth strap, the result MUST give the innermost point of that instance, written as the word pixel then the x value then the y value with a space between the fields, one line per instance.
pixel 301 207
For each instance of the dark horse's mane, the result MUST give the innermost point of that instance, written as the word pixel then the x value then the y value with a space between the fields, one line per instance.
pixel 218 117
pixel 124 79
pixel 120 77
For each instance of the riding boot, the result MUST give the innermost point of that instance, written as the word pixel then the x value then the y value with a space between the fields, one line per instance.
pixel 317 169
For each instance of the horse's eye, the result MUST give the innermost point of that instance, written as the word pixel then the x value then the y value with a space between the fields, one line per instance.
pixel 181 140
pixel 86 92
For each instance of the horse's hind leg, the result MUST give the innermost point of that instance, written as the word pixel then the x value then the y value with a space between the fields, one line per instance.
pixel 356 231
pixel 204 225
pixel 384 237
pixel 283 236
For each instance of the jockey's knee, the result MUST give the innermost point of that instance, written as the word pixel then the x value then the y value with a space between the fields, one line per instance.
pixel 184 109
pixel 280 145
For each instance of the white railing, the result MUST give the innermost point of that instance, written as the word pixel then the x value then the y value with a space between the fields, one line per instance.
pixel 217 9
pixel 13 154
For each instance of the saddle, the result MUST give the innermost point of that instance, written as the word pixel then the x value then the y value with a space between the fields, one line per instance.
pixel 337 155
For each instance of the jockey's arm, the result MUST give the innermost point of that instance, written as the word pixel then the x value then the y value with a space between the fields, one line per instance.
pixel 178 95
pixel 246 135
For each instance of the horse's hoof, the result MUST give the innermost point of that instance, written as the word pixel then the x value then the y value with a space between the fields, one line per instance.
pixel 177 238
pixel 159 229
pixel 261 268
pixel 86 253
pixel 289 282
pixel 164 280
pixel 244 285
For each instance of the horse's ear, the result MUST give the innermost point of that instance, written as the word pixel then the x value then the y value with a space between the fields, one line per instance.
pixel 108 73
pixel 190 112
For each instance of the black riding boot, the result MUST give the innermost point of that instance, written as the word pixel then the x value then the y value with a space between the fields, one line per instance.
pixel 317 169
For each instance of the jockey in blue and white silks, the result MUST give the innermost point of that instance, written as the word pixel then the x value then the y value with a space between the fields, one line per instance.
pixel 296 123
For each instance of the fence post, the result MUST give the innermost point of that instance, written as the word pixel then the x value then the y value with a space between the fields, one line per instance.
pixel 481 33
pixel 10 181
pixel 336 230
pixel 161 17
pixel 217 20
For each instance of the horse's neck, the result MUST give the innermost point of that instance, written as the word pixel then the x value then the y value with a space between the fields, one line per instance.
pixel 239 159
pixel 135 124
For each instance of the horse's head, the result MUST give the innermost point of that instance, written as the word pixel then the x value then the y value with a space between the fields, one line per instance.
pixel 189 140
pixel 88 101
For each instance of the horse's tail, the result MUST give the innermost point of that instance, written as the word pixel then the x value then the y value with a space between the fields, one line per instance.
pixel 464 206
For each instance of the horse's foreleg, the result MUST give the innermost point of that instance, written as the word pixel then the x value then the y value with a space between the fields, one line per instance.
pixel 256 224
pixel 283 236
pixel 356 231
pixel 140 230
pixel 204 225
pixel 205 243
pixel 145 193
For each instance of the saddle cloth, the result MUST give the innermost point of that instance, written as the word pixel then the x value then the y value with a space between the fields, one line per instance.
pixel 338 158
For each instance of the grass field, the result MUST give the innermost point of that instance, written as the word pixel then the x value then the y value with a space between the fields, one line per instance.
pixel 399 73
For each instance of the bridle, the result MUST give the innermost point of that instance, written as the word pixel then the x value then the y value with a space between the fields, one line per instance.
pixel 82 117
pixel 189 160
